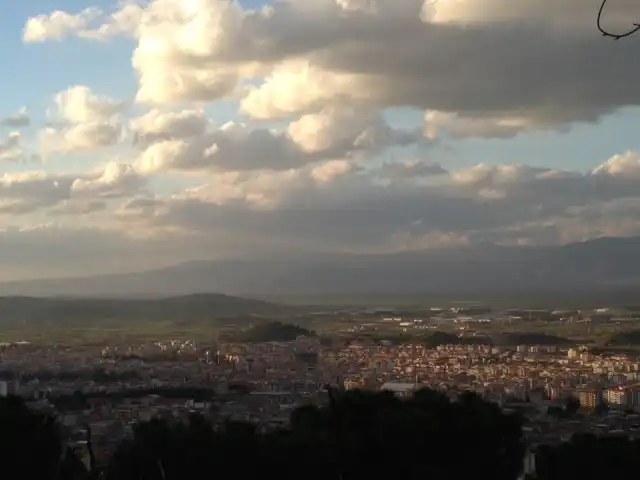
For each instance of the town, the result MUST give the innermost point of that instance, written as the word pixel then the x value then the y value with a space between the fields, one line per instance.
pixel 109 387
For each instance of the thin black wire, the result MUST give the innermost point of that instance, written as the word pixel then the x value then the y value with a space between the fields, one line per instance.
pixel 615 36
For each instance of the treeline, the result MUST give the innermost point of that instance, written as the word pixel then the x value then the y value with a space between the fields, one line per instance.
pixel 271 332
pixel 625 338
pixel 358 435
pixel 438 337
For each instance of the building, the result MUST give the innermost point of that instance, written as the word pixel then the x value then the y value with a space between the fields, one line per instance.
pixel 618 396
pixel 590 397
pixel 401 389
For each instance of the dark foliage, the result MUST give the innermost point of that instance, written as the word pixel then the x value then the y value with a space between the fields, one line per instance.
pixel 588 457
pixel 534 338
pixel 272 332
pixel 631 337
pixel 31 445
pixel 360 435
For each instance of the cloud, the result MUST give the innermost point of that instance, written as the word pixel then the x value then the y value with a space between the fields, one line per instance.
pixel 469 60
pixel 86 136
pixel 58 25
pixel 314 159
pixel 158 126
pixel 84 121
pixel 29 191
pixel 341 205
pixel 18 119
pixel 78 104
pixel 186 141
pixel 330 206
pixel 11 148
pixel 410 169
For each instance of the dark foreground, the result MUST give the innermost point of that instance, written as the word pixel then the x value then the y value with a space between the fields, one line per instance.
pixel 357 435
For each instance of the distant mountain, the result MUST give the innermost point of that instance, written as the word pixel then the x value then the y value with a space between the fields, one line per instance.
pixel 82 311
pixel 603 264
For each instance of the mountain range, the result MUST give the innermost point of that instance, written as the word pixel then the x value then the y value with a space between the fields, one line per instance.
pixel 602 264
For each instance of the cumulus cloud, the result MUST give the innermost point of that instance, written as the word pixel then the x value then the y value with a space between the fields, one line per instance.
pixel 29 191
pixel 17 120
pixel 81 137
pixel 485 63
pixel 11 148
pixel 84 121
pixel 311 160
pixel 78 104
pixel 157 126
pixel 342 205
pixel 58 25
pixel 339 204
pixel 185 141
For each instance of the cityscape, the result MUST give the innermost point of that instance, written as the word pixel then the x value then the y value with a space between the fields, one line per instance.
pixel 262 371
pixel 319 239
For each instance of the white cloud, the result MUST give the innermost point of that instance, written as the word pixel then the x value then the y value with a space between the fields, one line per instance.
pixel 11 148
pixel 84 121
pixel 185 141
pixel 58 25
pixel 337 205
pixel 17 119
pixel 29 191
pixel 156 125
pixel 115 180
pixel 86 136
pixel 305 165
pixel 78 104
pixel 468 59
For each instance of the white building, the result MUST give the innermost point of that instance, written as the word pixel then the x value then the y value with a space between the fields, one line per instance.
pixel 401 389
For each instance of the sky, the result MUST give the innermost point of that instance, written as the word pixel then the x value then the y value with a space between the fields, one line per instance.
pixel 139 134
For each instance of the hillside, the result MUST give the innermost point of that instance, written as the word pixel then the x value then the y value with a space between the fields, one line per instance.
pixel 604 265
pixel 79 311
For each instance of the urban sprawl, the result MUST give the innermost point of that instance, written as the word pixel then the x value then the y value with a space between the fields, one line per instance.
pixel 109 387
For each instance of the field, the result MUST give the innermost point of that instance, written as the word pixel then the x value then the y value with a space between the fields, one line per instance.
pixel 109 333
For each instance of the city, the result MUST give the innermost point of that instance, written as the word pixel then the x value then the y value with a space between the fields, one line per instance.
pixel 319 239
pixel 114 385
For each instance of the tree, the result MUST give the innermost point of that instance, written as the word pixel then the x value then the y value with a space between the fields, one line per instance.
pixel 31 445
pixel 359 435
pixel 588 457
pixel 571 406
pixel 602 408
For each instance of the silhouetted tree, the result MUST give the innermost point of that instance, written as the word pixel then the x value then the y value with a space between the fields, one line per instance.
pixel 359 435
pixel 588 457
pixel 31 445
pixel 571 406
pixel 602 408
